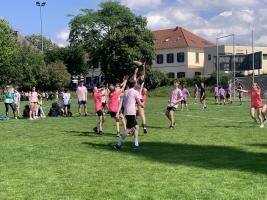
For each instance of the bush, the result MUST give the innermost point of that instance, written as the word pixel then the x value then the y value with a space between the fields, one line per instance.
pixel 156 79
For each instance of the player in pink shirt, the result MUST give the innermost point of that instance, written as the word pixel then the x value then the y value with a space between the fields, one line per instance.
pixel 82 98
pixel 240 93
pixel 221 94
pixel 264 109
pixel 33 98
pixel 130 98
pixel 186 95
pixel 175 98
pixel 99 109
pixel 256 103
pixel 113 102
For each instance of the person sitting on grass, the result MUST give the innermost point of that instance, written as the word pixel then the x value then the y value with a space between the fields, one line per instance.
pixel 256 103
pixel 175 98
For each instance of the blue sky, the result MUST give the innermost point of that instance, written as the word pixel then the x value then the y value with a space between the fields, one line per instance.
pixel 207 18
pixel 23 15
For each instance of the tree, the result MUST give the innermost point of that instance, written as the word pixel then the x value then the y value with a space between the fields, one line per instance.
pixel 9 48
pixel 73 57
pixel 54 76
pixel 113 36
pixel 36 40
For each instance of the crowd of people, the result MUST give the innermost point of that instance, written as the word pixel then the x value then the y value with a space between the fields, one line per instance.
pixel 126 100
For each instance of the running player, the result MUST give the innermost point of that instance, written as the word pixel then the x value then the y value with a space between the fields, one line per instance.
pixel 256 103
pixel 203 96
pixel 195 92
pixel 216 94
pixel 130 98
pixel 186 95
pixel 221 94
pixel 229 93
pixel 264 109
pixel 175 98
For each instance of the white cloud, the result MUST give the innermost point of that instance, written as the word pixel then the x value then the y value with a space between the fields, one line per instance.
pixel 62 38
pixel 262 40
pixel 141 4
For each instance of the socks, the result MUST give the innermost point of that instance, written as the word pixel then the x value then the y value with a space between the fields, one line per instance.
pixel 123 137
pixel 136 136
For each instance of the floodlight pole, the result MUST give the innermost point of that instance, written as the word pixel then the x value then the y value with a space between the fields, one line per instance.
pixel 234 62
pixel 253 62
pixel 40 5
pixel 217 62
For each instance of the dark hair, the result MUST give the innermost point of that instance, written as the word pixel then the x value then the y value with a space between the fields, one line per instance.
pixel 66 90
pixel 131 83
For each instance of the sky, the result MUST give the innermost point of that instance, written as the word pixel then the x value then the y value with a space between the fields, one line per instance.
pixel 207 18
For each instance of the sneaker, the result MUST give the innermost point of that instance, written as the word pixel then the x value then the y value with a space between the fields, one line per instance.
pixel 16 118
pixel 264 121
pixel 95 129
pixel 85 114
pixel 145 131
pixel 31 118
pixel 262 126
pixel 117 147
pixel 135 146
pixel 171 127
pixel 118 134
pixel 100 133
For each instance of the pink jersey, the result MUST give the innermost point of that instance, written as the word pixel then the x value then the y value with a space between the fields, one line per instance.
pixel 113 102
pixel 33 97
pixel 129 100
pixel 81 93
pixel 221 92
pixel 185 93
pixel 255 98
pixel 175 97
pixel 97 99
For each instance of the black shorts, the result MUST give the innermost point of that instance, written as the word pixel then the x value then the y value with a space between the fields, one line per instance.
pixel 99 113
pixel 221 97
pixel 228 96
pixel 183 102
pixel 112 114
pixel 169 109
pixel 215 97
pixel 104 104
pixel 67 106
pixel 131 121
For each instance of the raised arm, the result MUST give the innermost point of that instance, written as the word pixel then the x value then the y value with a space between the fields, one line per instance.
pixel 135 73
pixel 123 84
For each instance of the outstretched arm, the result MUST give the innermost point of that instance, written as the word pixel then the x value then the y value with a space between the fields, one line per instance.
pixel 123 85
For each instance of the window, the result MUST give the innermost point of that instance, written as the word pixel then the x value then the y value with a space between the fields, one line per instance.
pixel 264 56
pixel 160 59
pixel 180 57
pixel 197 57
pixel 197 74
pixel 171 75
pixel 170 58
pixel 180 74
pixel 209 57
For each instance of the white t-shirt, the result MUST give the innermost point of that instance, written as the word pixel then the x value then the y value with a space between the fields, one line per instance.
pixel 16 98
pixel 66 98
pixel 129 101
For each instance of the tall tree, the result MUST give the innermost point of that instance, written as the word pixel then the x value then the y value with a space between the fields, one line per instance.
pixel 36 40
pixel 113 36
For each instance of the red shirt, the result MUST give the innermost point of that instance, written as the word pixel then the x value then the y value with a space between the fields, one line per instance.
pixel 113 102
pixel 98 102
pixel 255 96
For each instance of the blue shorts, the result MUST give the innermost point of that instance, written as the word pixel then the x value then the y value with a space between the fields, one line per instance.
pixel 83 102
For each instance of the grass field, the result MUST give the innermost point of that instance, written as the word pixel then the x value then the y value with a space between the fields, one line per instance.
pixel 211 154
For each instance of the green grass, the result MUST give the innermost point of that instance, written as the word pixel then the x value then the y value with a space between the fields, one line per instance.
pixel 212 154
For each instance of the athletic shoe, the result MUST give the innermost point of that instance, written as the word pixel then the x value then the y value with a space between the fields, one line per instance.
pixel 85 114
pixel 171 127
pixel 117 147
pixel 118 134
pixel 95 129
pixel 264 121
pixel 100 133
pixel 145 131
pixel 262 126
pixel 135 146
pixel 31 118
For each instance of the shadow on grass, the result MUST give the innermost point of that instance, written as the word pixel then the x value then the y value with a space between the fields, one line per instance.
pixel 203 156
pixel 89 134
pixel 258 145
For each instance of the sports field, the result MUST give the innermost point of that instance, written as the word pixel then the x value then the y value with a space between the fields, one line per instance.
pixel 211 154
